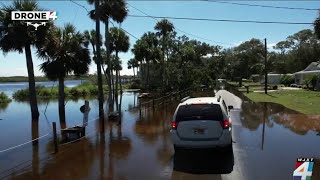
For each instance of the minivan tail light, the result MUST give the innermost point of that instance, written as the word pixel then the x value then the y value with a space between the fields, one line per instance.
pixel 225 124
pixel 174 125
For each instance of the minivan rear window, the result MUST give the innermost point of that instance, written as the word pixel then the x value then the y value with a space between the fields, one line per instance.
pixel 199 112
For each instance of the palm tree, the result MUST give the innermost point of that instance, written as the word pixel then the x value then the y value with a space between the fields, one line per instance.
pixel 145 50
pixel 96 16
pixel 133 63
pixel 119 42
pixel 164 28
pixel 130 65
pixel 116 10
pixel 17 36
pixel 317 26
pixel 64 53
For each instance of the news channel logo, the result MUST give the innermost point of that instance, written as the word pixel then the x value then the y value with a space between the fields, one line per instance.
pixel 41 16
pixel 303 169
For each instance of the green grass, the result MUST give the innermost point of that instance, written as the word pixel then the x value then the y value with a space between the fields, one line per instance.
pixel 4 98
pixel 304 101
pixel 83 90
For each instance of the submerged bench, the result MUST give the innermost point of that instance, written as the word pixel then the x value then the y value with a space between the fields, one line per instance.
pixel 80 131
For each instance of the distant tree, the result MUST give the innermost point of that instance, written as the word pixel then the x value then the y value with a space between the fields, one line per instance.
pixel 145 50
pixel 133 63
pixel 112 9
pixel 119 42
pixel 64 54
pixel 164 28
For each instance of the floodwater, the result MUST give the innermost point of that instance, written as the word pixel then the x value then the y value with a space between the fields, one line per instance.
pixel 268 138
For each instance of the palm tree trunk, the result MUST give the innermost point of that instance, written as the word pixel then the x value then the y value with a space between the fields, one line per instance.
pixel 35 149
pixel 134 76
pixel 112 79
pixel 120 82
pixel 32 84
pixel 62 114
pixel 100 88
pixel 108 61
pixel 117 78
pixel 117 81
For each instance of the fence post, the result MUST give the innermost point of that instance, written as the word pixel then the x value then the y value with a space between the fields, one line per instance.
pixel 153 104
pixel 55 139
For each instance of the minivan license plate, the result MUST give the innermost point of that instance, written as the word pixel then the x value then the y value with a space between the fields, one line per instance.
pixel 198 131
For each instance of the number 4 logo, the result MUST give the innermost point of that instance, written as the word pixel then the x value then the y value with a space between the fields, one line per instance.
pixel 303 170
pixel 53 15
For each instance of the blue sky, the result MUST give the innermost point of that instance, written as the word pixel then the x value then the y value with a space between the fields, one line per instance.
pixel 233 33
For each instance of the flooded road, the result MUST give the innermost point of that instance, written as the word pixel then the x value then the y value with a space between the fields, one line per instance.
pixel 268 138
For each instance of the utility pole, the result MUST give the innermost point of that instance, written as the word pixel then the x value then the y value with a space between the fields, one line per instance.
pixel 265 67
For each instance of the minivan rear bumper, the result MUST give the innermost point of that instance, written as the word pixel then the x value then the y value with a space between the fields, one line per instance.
pixel 223 141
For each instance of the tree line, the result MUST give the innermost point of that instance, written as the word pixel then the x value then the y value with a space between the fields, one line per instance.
pixel 164 60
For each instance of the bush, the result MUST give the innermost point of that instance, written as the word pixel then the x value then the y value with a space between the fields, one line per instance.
pixel 21 94
pixel 4 98
pixel 311 81
pixel 287 80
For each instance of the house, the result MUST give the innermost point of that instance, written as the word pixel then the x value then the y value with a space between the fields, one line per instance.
pixel 273 78
pixel 312 69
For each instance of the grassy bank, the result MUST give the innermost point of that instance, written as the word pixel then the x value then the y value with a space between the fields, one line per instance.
pixel 85 89
pixel 4 98
pixel 304 101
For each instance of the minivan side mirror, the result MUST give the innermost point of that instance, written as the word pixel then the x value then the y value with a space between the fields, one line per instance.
pixel 230 107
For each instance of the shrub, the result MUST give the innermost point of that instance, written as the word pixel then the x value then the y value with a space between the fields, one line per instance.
pixel 311 80
pixel 44 92
pixel 4 98
pixel 74 92
pixel 21 94
pixel 287 80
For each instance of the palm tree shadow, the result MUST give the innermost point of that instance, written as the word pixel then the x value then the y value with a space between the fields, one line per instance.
pixel 204 161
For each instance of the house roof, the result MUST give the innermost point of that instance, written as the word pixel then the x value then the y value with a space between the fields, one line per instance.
pixel 313 67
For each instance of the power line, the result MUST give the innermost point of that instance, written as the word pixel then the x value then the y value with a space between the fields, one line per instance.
pixel 109 21
pixel 124 30
pixel 224 20
pixel 263 6
pixel 182 30
pixel 80 5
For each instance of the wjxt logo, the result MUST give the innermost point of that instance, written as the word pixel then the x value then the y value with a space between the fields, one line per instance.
pixel 29 16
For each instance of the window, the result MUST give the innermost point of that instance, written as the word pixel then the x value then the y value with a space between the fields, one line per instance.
pixel 199 112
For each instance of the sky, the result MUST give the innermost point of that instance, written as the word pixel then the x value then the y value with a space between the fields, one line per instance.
pixel 14 64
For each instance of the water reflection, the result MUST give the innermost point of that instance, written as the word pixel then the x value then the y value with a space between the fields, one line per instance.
pixel 254 114
pixel 3 106
pixel 140 147
pixel 203 161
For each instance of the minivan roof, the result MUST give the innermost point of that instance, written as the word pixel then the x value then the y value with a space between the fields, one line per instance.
pixel 208 100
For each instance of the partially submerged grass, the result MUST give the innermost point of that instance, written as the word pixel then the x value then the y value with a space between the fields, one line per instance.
pixel 4 98
pixel 83 90
pixel 304 101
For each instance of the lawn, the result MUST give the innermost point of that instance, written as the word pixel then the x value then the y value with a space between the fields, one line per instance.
pixel 304 101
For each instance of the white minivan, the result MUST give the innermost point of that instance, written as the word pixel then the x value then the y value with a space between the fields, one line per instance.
pixel 202 122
